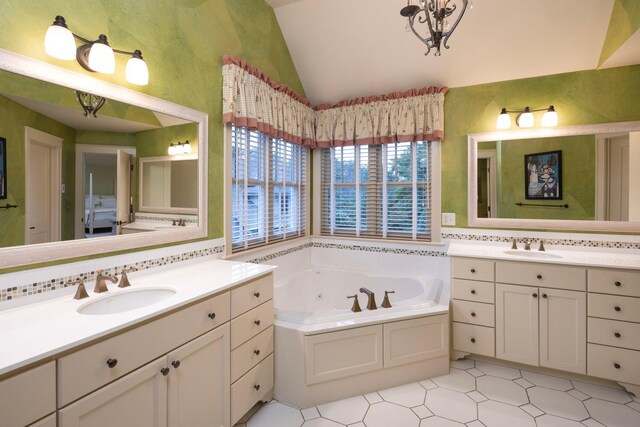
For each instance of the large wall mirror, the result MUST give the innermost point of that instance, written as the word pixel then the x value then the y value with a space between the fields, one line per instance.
pixel 73 179
pixel 569 178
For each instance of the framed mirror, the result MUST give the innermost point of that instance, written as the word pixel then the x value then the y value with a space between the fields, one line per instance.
pixel 72 178
pixel 567 178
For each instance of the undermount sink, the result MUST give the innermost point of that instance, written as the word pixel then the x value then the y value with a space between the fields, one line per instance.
pixel 531 254
pixel 126 301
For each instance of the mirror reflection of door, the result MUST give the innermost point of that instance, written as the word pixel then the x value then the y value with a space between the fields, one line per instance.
pixel 123 192
pixel 487 203
pixel 618 188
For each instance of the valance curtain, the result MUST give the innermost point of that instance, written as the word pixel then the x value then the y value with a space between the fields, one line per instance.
pixel 251 99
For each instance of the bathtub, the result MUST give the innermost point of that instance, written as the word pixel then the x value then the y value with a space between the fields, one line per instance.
pixel 325 352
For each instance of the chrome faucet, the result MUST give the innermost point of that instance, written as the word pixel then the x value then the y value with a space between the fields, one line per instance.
pixel 101 282
pixel 527 245
pixel 385 301
pixel 371 304
pixel 81 292
pixel 356 305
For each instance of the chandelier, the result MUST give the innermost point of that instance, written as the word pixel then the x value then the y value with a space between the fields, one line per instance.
pixel 435 13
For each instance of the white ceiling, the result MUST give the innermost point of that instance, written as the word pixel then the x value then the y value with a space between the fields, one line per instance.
pixel 350 48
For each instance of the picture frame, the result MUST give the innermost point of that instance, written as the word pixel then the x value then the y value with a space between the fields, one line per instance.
pixel 3 168
pixel 543 175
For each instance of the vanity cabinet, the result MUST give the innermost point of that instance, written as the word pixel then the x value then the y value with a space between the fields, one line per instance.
pixel 28 396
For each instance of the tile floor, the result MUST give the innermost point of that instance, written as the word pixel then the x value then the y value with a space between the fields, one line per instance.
pixel 474 394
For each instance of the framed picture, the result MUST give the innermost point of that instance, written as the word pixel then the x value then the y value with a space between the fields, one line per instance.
pixel 3 168
pixel 543 175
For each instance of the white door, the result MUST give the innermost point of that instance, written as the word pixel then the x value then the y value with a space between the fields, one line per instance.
pixel 123 190
pixel 199 383
pixel 563 330
pixel 618 189
pixel 517 323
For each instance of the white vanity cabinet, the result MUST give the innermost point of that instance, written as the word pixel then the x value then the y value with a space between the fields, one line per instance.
pixel 28 396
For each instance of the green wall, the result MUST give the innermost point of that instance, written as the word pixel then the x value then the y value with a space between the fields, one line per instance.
pixel 584 97
pixel 624 22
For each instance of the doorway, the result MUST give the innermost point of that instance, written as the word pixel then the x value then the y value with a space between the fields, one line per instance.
pixel 487 206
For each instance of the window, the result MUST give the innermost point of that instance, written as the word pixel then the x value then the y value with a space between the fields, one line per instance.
pixel 268 183
pixel 377 191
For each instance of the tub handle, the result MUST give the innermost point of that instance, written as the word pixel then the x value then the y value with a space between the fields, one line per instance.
pixel 385 302
pixel 356 305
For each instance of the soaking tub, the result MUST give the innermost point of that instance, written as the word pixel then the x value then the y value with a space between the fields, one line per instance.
pixel 325 352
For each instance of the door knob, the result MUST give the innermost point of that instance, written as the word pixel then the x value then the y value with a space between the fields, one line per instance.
pixel 111 363
pixel 617 334
pixel 257 322
pixel 535 295
pixel 473 340
pixel 256 352
pixel 473 291
pixel 175 364
pixel 257 386
pixel 256 294
pixel 617 308
pixel 473 314
pixel 164 371
pixel 211 316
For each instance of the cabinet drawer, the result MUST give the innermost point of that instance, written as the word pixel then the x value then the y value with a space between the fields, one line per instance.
pixel 476 313
pixel 86 370
pixel 251 388
pixel 614 307
pixel 472 268
pixel 616 364
pixel 251 295
pixel 413 340
pixel 615 282
pixel 50 421
pixel 244 357
pixel 251 323
pixel 28 396
pixel 474 339
pixel 614 333
pixel 473 290
pixel 543 275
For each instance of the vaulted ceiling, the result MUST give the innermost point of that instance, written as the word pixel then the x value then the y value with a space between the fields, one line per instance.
pixel 351 48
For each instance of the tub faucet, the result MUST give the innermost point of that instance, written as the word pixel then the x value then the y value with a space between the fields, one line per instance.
pixel 356 305
pixel 541 248
pixel 371 304
pixel 101 282
pixel 385 301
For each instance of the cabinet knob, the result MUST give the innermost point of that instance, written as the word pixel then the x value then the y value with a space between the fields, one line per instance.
pixel 256 294
pixel 473 340
pixel 257 386
pixel 473 270
pixel 473 314
pixel 539 276
pixel 211 316
pixel 175 364
pixel 256 352
pixel 617 308
pixel 616 365
pixel 257 322
pixel 164 371
pixel 544 295
pixel 473 291
pixel 617 334
pixel 535 295
pixel 111 363
pixel 618 283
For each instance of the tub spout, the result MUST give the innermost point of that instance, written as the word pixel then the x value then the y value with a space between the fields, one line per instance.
pixel 385 301
pixel 371 304
pixel 356 305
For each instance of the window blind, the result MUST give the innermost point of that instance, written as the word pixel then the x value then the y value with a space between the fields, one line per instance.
pixel 381 191
pixel 268 194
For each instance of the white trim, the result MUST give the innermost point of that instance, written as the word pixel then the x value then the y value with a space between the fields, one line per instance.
pixel 227 190
pixel 436 186
pixel 143 208
pixel 549 224
pixel 317 192
pixel 30 254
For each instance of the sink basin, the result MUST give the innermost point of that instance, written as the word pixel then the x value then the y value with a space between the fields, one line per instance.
pixel 126 301
pixel 531 254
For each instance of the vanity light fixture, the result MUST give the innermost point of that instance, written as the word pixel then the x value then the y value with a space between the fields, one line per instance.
pixel 179 148
pixel 525 118
pixel 92 55
pixel 435 13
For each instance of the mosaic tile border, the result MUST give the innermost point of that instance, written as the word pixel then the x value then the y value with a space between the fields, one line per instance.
pixel 274 255
pixel 21 291
pixel 557 242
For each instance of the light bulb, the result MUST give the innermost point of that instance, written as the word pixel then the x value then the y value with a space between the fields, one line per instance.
pixel 172 149
pixel 187 147
pixel 137 72
pixel 525 119
pixel 59 42
pixel 101 57
pixel 550 117
pixel 504 120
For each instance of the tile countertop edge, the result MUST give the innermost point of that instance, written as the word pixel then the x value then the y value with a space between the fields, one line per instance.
pixel 584 258
pixel 10 362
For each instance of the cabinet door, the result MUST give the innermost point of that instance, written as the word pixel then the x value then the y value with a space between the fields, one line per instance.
pixel 563 330
pixel 517 323
pixel 135 400
pixel 199 385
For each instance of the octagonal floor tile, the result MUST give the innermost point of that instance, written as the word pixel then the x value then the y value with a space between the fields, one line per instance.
pixel 612 414
pixel 346 411
pixel 496 414
pixel 321 422
pixel 276 415
pixel 451 404
pixel 616 395
pixel 548 381
pixel 408 395
pixel 557 403
pixel 385 414
pixel 457 380
pixel 502 390
pixel 553 421
pixel 498 371
pixel 439 422
pixel 462 363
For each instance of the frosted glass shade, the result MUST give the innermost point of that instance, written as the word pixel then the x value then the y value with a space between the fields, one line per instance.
pixel 525 120
pixel 137 72
pixel 59 43
pixel 550 118
pixel 187 147
pixel 504 120
pixel 172 150
pixel 101 58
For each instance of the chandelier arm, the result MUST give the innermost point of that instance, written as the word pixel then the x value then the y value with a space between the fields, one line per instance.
pixel 455 24
pixel 425 41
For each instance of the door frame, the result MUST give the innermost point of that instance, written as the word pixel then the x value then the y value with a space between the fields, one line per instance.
pixel 492 156
pixel 55 144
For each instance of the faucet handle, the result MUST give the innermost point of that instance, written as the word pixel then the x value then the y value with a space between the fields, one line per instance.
pixel 356 305
pixel 124 279
pixel 527 244
pixel 514 246
pixel 81 292
pixel 541 248
pixel 385 301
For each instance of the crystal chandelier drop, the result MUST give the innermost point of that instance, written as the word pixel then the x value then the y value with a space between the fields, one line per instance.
pixel 436 14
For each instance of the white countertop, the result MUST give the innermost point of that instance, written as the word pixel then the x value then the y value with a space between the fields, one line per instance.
pixel 155 225
pixel 37 331
pixel 590 257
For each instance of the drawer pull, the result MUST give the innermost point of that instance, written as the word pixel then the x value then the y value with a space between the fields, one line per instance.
pixel 473 340
pixel 211 316
pixel 473 314
pixel 473 270
pixel 257 322
pixel 544 295
pixel 175 364
pixel 616 365
pixel 617 283
pixel 617 308
pixel 257 386
pixel 617 334
pixel 535 295
pixel 256 352
pixel 164 371
pixel 473 291
pixel 539 276
pixel 256 294
pixel 111 363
